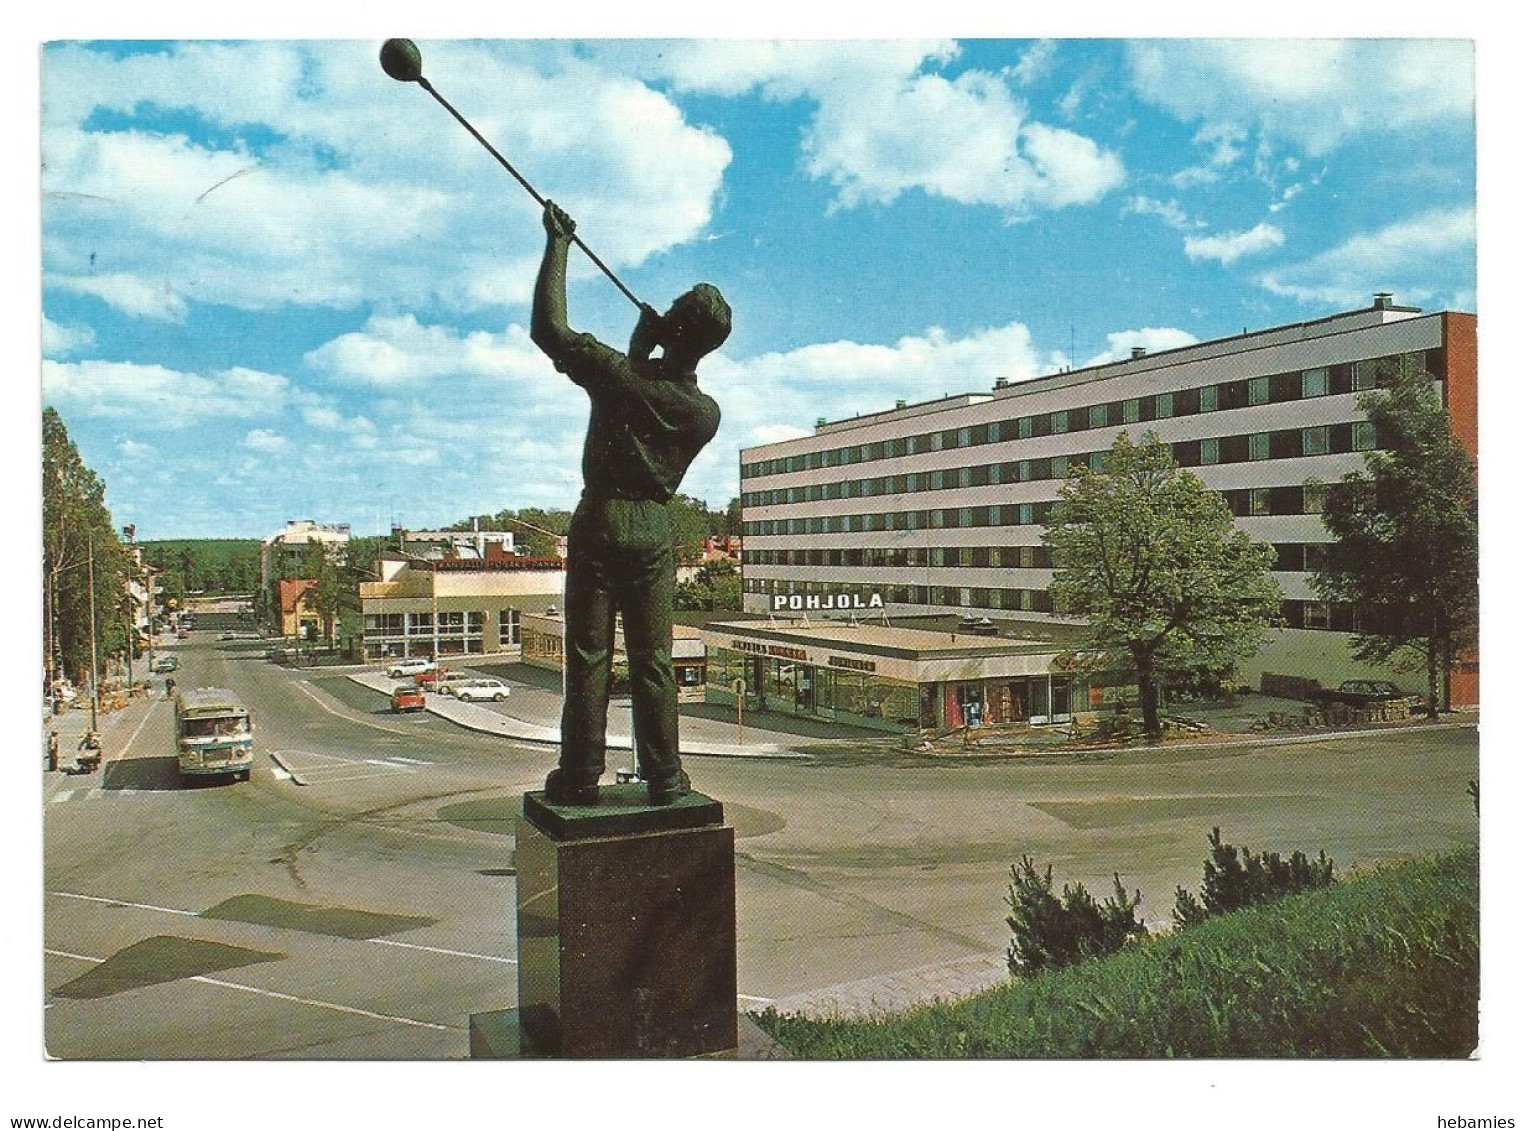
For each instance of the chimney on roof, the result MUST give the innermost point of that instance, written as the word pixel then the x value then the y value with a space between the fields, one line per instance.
pixel 1002 382
pixel 820 422
pixel 1383 301
pixel 1138 351
pixel 899 404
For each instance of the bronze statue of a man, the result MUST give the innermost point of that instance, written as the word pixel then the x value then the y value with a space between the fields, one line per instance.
pixel 649 420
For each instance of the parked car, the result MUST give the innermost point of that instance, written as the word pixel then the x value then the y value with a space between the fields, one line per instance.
pixel 407 697
pixel 167 664
pixel 448 682
pixel 428 679
pixel 227 636
pixel 482 688
pixel 414 666
pixel 1368 693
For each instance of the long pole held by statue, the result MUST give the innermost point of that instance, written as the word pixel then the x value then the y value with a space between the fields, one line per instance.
pixel 401 59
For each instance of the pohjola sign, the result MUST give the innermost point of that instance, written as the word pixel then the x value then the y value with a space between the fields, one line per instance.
pixel 826 602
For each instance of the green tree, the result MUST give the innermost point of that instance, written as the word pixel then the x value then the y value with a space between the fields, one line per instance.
pixel 79 543
pixel 1405 552
pixel 1151 559
pixel 690 526
pixel 716 585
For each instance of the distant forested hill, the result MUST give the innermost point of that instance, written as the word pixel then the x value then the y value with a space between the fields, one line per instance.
pixel 205 565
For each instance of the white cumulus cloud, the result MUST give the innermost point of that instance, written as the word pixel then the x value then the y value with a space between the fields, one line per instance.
pixel 264 440
pixel 158 396
pixel 398 350
pixel 59 340
pixel 364 193
pixel 1402 258
pixel 1312 92
pixel 1229 247
pixel 1154 339
pixel 885 123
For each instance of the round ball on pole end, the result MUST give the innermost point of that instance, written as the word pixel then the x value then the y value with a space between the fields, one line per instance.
pixel 401 59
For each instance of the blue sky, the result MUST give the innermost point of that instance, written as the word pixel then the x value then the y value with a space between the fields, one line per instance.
pixel 277 284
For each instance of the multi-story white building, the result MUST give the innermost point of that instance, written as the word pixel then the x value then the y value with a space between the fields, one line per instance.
pixel 939 507
pixel 292 543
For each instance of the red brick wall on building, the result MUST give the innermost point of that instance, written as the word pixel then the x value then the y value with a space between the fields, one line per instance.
pixel 1459 338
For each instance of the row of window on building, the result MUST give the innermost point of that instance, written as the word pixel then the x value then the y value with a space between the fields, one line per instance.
pixel 461 631
pixel 1245 502
pixel 1290 557
pixel 1305 384
pixel 1286 443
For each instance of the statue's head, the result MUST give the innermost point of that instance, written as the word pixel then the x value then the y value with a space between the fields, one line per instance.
pixel 697 323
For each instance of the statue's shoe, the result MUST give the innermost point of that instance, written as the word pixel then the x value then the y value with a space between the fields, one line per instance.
pixel 667 790
pixel 560 791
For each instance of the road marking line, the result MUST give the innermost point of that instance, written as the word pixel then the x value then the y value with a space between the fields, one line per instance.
pixel 322 1004
pixel 377 941
pixel 758 1000
pixel 141 723
pixel 205 980
pixel 411 761
pixel 122 903
pixel 442 950
pixel 389 765
pixel 63 796
pixel 306 687
pixel 314 780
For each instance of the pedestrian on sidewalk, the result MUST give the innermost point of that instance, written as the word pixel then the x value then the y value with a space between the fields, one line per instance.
pixel 50 748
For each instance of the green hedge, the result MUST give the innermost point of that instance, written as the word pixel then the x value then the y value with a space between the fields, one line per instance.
pixel 1382 964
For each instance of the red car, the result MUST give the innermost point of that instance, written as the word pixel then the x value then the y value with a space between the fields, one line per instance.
pixel 408 697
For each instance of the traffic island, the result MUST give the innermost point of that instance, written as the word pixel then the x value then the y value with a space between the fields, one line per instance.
pixel 626 929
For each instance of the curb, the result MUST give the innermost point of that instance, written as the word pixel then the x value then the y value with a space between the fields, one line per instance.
pixel 1227 744
pixel 276 758
pixel 501 725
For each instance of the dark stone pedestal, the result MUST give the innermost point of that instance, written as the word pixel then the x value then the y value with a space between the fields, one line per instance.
pixel 627 931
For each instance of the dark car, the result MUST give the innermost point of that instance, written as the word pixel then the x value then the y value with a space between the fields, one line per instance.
pixel 407 697
pixel 1368 693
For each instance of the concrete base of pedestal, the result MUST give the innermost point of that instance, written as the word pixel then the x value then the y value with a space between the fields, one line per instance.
pixel 626 927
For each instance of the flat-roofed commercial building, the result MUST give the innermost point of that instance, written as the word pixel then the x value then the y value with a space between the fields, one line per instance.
pixel 461 607
pixel 939 507
pixel 890 677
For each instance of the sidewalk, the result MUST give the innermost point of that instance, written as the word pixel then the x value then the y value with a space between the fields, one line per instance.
pixel 115 727
pixel 534 715
pixel 899 991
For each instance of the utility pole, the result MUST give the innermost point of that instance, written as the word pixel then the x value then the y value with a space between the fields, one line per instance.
pixel 95 683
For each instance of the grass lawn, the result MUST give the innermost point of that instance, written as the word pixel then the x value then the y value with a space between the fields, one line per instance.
pixel 1381 964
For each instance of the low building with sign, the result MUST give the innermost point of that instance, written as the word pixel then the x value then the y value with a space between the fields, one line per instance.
pixel 888 677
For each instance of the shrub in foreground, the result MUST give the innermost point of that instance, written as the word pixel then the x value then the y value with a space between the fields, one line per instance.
pixel 1236 878
pixel 1049 933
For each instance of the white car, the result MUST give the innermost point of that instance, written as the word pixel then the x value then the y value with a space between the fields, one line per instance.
pixel 409 667
pixel 493 689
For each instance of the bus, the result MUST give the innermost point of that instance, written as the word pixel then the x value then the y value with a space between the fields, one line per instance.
pixel 214 733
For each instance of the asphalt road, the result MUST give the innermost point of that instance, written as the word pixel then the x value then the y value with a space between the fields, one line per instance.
pixel 366 913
